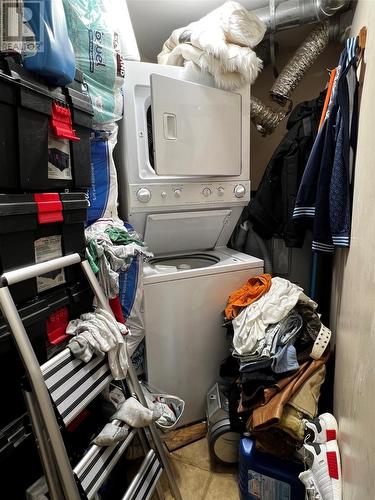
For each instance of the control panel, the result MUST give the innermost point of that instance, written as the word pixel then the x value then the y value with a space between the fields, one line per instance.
pixel 169 195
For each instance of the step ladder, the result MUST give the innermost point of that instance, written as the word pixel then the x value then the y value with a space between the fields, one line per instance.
pixel 61 388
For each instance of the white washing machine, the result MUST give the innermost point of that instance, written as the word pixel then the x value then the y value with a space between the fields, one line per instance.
pixel 185 296
pixel 184 178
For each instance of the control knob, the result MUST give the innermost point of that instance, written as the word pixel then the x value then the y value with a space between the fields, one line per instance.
pixel 178 193
pixel 220 191
pixel 239 191
pixel 206 192
pixel 144 195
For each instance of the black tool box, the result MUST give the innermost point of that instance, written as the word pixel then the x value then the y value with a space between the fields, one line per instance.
pixel 45 320
pixel 45 132
pixel 39 227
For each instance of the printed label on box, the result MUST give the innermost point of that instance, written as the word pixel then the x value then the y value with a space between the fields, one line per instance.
pixel 46 249
pixel 263 487
pixel 59 166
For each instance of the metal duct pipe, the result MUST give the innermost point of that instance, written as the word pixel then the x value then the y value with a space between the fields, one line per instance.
pixel 265 118
pixel 292 13
pixel 297 66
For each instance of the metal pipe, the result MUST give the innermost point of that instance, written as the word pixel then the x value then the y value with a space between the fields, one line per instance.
pixel 289 14
pixel 302 60
pixel 46 455
pixel 292 13
pixel 27 272
pixel 264 117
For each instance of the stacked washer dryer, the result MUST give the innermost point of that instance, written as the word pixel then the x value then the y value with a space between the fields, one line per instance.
pixel 183 162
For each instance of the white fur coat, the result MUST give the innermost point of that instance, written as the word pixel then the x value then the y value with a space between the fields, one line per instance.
pixel 220 43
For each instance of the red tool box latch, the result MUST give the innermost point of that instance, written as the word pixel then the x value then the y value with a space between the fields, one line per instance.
pixel 56 326
pixel 50 208
pixel 61 122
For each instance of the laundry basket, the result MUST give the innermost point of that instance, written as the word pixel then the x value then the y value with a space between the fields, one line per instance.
pixel 174 403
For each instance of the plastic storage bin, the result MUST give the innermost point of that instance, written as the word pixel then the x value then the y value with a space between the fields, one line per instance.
pixel 32 156
pixel 11 368
pixel 45 320
pixel 18 452
pixel 65 304
pixel 40 227
pixel 263 477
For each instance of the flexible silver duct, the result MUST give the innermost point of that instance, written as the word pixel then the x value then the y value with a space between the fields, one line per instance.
pixel 303 59
pixel 283 14
pixel 265 118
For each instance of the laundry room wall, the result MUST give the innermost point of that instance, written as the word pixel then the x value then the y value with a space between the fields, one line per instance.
pixel 315 80
pixel 353 298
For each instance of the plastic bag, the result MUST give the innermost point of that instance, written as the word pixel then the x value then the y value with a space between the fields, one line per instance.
pixel 54 56
pixel 131 299
pixel 104 187
pixel 100 31
pixel 176 404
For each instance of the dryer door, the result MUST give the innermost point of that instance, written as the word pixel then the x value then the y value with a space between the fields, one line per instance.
pixel 196 129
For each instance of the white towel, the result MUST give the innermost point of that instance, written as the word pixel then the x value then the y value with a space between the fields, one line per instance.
pixel 100 333
pixel 220 43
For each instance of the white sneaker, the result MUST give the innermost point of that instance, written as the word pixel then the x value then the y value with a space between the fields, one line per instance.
pixel 312 492
pixel 323 479
pixel 321 430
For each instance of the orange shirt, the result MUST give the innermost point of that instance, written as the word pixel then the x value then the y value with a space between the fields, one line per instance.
pixel 328 97
pixel 251 291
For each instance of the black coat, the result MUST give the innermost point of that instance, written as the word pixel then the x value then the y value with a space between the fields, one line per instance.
pixel 271 209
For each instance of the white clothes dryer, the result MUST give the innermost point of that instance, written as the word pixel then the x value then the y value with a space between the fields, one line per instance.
pixel 184 145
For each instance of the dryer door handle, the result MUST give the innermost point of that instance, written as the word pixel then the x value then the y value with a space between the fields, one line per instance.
pixel 170 126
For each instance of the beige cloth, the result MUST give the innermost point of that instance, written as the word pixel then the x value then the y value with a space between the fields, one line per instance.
pixel 270 414
pixel 220 43
pixel 304 404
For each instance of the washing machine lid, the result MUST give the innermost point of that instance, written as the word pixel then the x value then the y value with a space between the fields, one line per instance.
pixel 184 231
pixel 196 128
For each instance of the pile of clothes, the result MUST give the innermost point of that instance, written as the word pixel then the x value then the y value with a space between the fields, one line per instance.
pixel 111 248
pixel 220 43
pixel 278 362
pixel 116 254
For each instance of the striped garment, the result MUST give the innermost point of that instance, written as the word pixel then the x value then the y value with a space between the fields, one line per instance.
pixel 324 195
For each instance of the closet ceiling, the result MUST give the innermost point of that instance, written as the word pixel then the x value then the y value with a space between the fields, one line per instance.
pixel 154 20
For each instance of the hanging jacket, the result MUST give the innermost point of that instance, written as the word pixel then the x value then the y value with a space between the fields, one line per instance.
pixel 340 196
pixel 271 209
pixel 325 192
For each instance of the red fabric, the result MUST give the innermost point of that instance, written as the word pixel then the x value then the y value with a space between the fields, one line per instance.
pixel 117 309
pixel 77 421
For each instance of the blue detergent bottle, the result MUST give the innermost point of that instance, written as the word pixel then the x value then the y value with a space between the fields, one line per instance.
pixel 53 57
pixel 264 477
